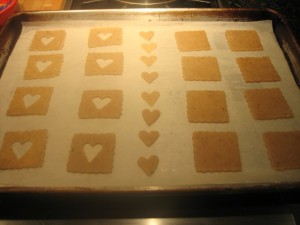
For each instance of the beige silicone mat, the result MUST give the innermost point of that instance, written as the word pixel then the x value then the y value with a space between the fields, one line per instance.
pixel 174 146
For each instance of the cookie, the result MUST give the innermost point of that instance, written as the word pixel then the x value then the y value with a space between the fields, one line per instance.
pixel 148 137
pixel 267 104
pixel 105 104
pixel 150 116
pixel 243 40
pixel 23 149
pixel 148 165
pixel 105 36
pixel 147 35
pixel 30 101
pixel 149 47
pixel 148 60
pixel 207 107
pixel 110 63
pixel 150 98
pixel 257 69
pixel 48 40
pixel 188 41
pixel 283 149
pixel 43 66
pixel 216 152
pixel 149 77
pixel 200 68
pixel 92 153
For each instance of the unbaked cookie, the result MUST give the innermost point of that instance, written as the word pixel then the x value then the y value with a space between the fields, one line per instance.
pixel 243 40
pixel 105 36
pixel 188 41
pixel 48 40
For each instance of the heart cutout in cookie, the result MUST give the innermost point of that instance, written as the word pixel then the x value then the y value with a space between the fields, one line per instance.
pixel 149 47
pixel 148 137
pixel 104 62
pixel 20 149
pixel 149 77
pixel 104 36
pixel 101 102
pixel 47 40
pixel 148 60
pixel 147 35
pixel 148 165
pixel 150 98
pixel 150 116
pixel 30 99
pixel 92 151
pixel 43 65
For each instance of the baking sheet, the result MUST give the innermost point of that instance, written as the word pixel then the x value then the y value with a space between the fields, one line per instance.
pixel 174 147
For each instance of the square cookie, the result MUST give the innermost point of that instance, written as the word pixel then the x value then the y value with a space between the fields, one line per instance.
pixel 48 40
pixel 216 152
pixel 30 101
pixel 283 149
pixel 243 40
pixel 105 36
pixel 267 104
pixel 101 104
pixel 92 153
pixel 23 149
pixel 104 64
pixel 43 66
pixel 257 69
pixel 207 107
pixel 200 68
pixel 188 41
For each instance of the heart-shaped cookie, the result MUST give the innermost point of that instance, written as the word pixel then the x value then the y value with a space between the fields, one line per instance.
pixel 20 149
pixel 148 165
pixel 148 137
pixel 30 99
pixel 42 65
pixel 147 35
pixel 150 116
pixel 149 47
pixel 101 102
pixel 149 60
pixel 149 77
pixel 150 98
pixel 47 40
pixel 92 151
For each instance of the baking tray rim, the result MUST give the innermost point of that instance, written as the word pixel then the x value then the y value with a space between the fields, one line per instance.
pixel 288 43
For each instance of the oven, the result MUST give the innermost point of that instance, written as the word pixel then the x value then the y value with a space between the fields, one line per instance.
pixel 263 205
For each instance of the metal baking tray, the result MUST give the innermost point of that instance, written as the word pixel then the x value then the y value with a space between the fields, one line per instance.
pixel 12 30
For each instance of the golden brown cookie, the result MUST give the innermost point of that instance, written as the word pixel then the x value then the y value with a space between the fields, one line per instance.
pixel 148 137
pixel 243 40
pixel 105 36
pixel 267 104
pixel 148 165
pixel 92 153
pixel 150 116
pixel 23 149
pixel 103 63
pixel 257 69
pixel 188 41
pixel 43 66
pixel 207 107
pixel 30 101
pixel 283 149
pixel 200 68
pixel 48 40
pixel 216 152
pixel 150 98
pixel 101 104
